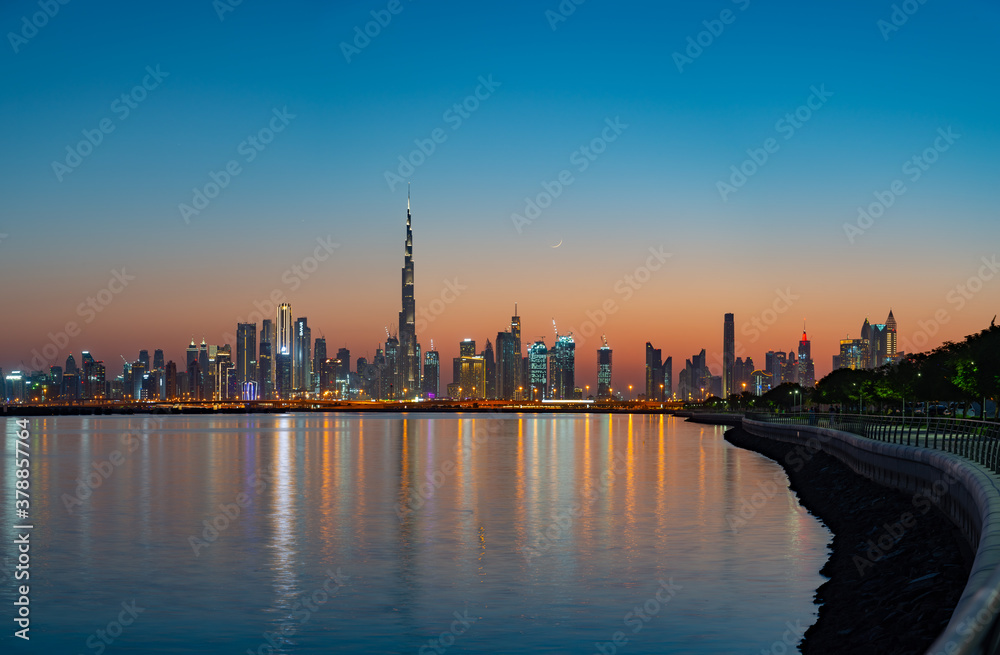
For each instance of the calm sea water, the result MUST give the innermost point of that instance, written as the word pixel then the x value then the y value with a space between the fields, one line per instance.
pixel 312 533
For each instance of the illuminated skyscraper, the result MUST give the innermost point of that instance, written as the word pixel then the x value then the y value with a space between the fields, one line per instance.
pixel 604 370
pixel 301 357
pixel 432 373
pixel 668 378
pixel 284 341
pixel 538 356
pixel 246 353
pixel 408 361
pixel 158 359
pixel 890 338
pixel 728 354
pixel 562 362
pixel 807 372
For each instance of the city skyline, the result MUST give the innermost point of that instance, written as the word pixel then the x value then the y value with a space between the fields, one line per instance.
pixel 621 160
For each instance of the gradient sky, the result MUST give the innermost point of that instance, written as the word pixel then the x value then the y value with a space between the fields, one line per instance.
pixel 655 186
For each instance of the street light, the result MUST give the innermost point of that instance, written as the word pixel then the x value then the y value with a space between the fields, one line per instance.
pixel 630 393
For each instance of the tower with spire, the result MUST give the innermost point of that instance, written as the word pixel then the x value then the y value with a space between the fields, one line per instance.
pixel 407 374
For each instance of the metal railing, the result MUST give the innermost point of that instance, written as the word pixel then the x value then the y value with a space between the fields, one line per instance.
pixel 975 440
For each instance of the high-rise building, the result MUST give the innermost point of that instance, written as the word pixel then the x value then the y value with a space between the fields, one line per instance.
pixel 158 359
pixel 508 366
pixel 432 373
pixel 807 371
pixel 538 356
pixel 728 354
pixel 515 332
pixel 170 383
pixel 654 373
pixel 472 378
pixel 224 375
pixel 301 357
pixel 204 370
pixel 604 370
pixel 668 378
pixel 489 362
pixel 144 358
pixel 891 353
pixel 265 360
pixel 774 363
pixel 408 362
pixel 246 353
pixel 562 367
pixel 285 333
pixel 318 359
pixel 393 375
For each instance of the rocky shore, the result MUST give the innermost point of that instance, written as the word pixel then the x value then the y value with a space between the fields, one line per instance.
pixel 898 565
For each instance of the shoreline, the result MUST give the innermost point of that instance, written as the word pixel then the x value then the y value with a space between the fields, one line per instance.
pixel 897 566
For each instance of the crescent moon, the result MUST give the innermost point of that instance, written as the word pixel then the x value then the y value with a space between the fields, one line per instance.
pixel 558 244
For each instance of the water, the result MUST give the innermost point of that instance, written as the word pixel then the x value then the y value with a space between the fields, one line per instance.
pixel 372 533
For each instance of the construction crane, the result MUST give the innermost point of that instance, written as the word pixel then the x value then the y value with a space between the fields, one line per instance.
pixel 604 337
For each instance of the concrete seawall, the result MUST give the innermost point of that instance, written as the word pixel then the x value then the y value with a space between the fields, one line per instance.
pixel 964 491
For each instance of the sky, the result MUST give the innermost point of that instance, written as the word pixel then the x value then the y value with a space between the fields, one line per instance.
pixel 633 169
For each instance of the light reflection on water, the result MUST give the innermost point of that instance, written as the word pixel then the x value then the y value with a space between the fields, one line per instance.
pixel 548 530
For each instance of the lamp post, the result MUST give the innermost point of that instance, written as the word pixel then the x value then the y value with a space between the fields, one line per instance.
pixel 630 393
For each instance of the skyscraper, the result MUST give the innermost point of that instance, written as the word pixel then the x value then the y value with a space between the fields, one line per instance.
pixel 144 358
pixel 246 353
pixel 508 366
pixel 265 360
pixel 515 331
pixel 301 358
pixel 668 378
pixel 807 371
pixel 408 362
pixel 158 359
pixel 562 378
pixel 538 356
pixel 318 359
pixel 890 338
pixel 432 373
pixel 604 370
pixel 283 369
pixel 728 354
pixel 489 363
pixel 654 372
